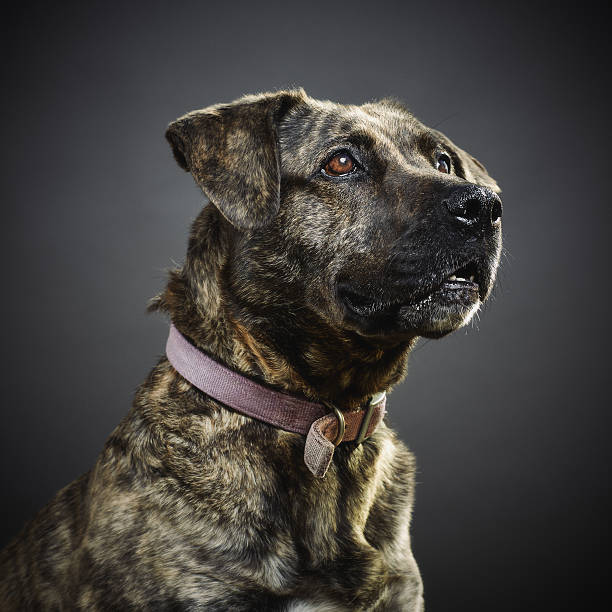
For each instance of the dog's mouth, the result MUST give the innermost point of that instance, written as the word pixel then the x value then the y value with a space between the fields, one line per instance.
pixel 466 277
pixel 455 292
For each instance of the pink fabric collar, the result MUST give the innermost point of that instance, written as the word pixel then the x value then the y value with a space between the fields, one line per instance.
pixel 324 425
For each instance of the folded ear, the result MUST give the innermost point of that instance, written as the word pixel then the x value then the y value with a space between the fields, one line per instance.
pixel 231 150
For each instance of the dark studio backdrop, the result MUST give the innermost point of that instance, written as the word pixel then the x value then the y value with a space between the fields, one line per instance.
pixel 509 419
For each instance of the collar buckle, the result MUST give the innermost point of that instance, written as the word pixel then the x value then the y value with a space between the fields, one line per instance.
pixel 367 418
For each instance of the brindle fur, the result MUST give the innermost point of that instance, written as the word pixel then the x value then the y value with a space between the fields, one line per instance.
pixel 192 506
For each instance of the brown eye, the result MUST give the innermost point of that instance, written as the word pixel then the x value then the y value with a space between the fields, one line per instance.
pixel 341 163
pixel 443 163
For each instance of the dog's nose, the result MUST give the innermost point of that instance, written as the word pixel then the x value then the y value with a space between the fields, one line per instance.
pixel 474 206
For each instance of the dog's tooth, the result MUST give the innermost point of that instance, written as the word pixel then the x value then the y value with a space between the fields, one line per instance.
pixel 453 277
pixel 472 278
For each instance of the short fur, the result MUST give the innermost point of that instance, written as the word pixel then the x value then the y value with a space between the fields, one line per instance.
pixel 312 284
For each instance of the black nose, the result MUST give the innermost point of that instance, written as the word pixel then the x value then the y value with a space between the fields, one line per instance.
pixel 474 206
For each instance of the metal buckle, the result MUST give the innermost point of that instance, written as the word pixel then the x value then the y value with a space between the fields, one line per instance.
pixel 341 423
pixel 365 423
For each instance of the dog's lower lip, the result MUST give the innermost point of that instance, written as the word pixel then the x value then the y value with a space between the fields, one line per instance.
pixel 462 283
pixel 365 305
pixel 367 309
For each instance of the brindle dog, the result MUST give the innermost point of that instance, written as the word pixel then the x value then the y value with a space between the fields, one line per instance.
pixel 337 235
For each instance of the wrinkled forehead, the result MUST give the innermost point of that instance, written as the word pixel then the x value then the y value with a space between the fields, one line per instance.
pixel 315 129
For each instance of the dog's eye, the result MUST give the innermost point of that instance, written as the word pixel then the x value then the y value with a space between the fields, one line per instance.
pixel 443 163
pixel 341 163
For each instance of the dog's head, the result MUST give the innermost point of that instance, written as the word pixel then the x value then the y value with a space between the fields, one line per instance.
pixel 358 215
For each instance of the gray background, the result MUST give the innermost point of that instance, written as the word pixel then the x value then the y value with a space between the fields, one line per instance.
pixel 508 419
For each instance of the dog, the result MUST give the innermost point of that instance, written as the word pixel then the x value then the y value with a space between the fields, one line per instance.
pixel 334 237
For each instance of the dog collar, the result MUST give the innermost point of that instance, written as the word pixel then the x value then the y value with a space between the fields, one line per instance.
pixel 323 424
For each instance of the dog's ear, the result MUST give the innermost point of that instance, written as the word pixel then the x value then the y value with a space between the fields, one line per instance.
pixel 232 152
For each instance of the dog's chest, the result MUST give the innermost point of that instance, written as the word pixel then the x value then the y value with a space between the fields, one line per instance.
pixel 225 515
pixel 343 538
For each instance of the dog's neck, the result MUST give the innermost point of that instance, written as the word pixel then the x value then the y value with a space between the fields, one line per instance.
pixel 337 366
